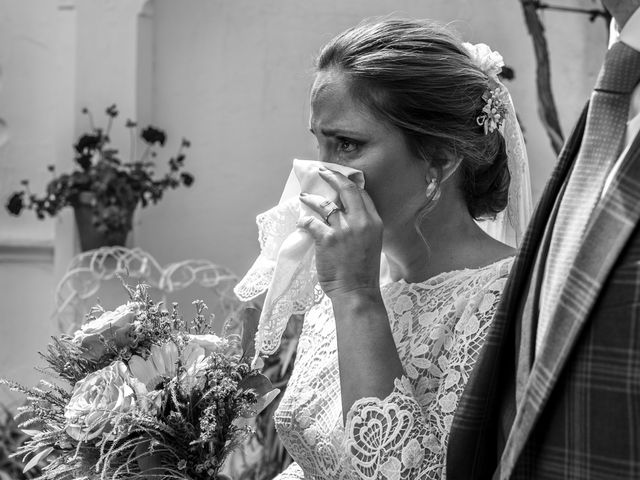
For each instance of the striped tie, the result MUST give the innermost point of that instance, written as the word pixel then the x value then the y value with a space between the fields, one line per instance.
pixel 602 144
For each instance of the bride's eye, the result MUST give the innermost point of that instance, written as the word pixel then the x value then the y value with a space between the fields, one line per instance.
pixel 347 146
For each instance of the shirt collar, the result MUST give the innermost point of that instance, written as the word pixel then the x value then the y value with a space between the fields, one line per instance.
pixel 630 34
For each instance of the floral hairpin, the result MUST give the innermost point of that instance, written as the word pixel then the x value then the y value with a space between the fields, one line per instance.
pixel 491 63
pixel 494 111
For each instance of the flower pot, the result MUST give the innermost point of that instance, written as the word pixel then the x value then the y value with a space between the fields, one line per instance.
pixel 90 237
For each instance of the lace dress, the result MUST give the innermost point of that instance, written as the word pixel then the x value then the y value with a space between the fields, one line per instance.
pixel 438 326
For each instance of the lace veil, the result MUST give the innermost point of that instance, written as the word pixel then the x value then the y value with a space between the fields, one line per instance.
pixel 510 224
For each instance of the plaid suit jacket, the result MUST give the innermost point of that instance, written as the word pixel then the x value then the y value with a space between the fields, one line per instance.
pixel 578 415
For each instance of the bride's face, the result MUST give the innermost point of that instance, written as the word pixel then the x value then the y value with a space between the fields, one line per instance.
pixel 348 133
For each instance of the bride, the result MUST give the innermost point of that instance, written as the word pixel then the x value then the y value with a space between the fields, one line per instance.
pixel 381 364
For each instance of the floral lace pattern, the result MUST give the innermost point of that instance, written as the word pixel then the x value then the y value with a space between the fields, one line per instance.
pixel 300 290
pixel 274 226
pixel 439 327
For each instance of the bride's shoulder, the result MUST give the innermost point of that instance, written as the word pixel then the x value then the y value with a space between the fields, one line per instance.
pixel 502 267
pixel 494 275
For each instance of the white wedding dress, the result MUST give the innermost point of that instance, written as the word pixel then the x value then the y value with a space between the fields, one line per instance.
pixel 439 327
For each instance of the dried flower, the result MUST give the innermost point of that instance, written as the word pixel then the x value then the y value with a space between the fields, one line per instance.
pixel 494 111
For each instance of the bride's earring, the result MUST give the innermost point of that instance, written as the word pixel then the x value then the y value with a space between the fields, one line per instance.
pixel 433 193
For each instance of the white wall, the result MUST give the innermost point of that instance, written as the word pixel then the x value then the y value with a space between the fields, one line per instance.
pixel 231 75
pixel 28 101
pixel 25 328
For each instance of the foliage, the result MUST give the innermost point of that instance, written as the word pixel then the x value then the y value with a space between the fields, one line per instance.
pixel 11 438
pixel 115 188
pixel 142 394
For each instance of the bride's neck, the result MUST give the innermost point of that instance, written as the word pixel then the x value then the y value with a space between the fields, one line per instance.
pixel 450 234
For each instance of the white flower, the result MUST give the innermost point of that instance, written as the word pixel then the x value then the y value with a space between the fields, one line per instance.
pixel 487 60
pixel 162 365
pixel 120 317
pixel 210 343
pixel 112 326
pixel 97 400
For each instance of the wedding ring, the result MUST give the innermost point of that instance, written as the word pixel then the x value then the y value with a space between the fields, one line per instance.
pixel 333 208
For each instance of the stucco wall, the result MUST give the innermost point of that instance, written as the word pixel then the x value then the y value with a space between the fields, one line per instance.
pixel 28 99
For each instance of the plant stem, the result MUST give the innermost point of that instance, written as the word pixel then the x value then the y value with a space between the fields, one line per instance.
pixel 146 153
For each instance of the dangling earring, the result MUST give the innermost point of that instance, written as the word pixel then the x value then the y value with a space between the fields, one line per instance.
pixel 433 193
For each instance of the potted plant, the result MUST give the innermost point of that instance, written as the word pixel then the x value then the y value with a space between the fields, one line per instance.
pixel 103 190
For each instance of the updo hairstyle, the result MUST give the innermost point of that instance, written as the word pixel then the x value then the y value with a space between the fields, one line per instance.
pixel 416 76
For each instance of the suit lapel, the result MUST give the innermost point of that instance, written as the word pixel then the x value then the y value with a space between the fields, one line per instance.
pixel 471 451
pixel 612 222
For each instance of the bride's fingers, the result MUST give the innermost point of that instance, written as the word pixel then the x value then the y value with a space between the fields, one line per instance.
pixel 317 228
pixel 349 192
pixel 319 204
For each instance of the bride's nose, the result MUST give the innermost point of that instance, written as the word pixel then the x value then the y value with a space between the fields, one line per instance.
pixel 327 156
pixel 323 154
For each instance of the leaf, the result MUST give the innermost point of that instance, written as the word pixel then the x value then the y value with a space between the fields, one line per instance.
pixel 263 388
pixel 249 318
pixel 36 459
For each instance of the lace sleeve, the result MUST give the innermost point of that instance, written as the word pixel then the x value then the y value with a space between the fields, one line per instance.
pixel 404 436
pixel 389 439
pixel 293 472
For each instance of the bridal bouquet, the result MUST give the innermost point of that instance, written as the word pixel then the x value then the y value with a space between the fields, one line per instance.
pixel 147 395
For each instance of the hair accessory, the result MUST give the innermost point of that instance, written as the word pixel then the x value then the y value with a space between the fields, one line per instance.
pixel 495 110
pixel 491 63
pixel 487 60
pixel 509 226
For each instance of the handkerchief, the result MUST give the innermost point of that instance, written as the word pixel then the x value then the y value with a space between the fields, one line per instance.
pixel 286 267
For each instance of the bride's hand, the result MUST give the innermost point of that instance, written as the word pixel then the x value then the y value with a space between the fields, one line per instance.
pixel 349 243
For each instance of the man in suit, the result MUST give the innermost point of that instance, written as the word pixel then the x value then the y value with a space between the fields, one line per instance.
pixel 556 391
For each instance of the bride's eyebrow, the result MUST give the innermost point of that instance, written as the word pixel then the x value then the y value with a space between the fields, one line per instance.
pixel 335 132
